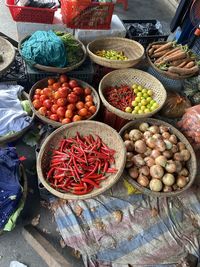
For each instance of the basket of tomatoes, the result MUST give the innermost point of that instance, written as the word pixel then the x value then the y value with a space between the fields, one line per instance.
pixel 61 100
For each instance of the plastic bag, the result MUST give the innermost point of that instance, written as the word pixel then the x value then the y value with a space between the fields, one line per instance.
pixel 190 124
pixel 175 105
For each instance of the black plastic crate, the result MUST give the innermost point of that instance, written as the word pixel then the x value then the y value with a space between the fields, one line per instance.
pixel 145 40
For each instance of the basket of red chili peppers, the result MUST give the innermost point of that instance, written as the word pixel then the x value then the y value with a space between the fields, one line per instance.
pixel 81 160
pixel 132 93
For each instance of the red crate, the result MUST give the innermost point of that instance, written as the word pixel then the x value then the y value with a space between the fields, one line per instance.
pixel 31 14
pixel 86 15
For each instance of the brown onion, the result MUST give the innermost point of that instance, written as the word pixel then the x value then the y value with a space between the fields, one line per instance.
pixel 178 156
pixel 129 164
pixel 185 154
pixel 166 135
pixel 181 181
pixel 161 160
pixel 143 180
pixel 129 155
pixel 174 149
pixel 129 145
pixel 149 161
pixel 147 134
pixel 167 153
pixel 173 139
pixel 143 127
pixel 184 172
pixel 144 170
pixel 167 189
pixel 156 171
pixel 156 185
pixel 155 153
pixel 140 146
pixel 168 179
pixel 181 146
pixel 138 160
pixel 148 152
pixel 178 166
pixel 126 136
pixel 133 172
pixel 163 129
pixel 151 142
pixel 154 129
pixel 160 145
pixel 135 135
pixel 170 167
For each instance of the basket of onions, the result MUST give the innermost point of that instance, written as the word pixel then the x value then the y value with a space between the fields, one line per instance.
pixel 159 158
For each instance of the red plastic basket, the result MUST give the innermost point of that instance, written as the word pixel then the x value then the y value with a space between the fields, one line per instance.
pixel 31 14
pixel 86 15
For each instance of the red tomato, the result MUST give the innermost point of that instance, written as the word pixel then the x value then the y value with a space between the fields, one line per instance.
pixel 57 95
pixel 80 105
pixel 56 85
pixel 72 98
pixel 47 103
pixel 48 113
pixel 88 98
pixel 51 81
pixel 73 83
pixel 42 111
pixel 69 114
pixel 54 108
pixel 36 97
pixel 87 91
pixel 78 90
pixel 63 78
pixel 83 112
pixel 54 117
pixel 63 91
pixel 66 120
pixel 76 118
pixel 92 109
pixel 65 84
pixel 47 91
pixel 38 91
pixel 43 97
pixel 71 107
pixel 37 104
pixel 89 114
pixel 89 104
pixel 61 102
pixel 60 112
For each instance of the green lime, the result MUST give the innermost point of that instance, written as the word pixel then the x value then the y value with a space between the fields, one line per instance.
pixel 149 99
pixel 136 91
pixel 148 106
pixel 137 99
pixel 139 94
pixel 155 105
pixel 144 102
pixel 146 110
pixel 136 108
pixel 140 111
pixel 134 103
pixel 152 102
pixel 150 92
pixel 139 87
pixel 139 104
pixel 128 109
pixel 152 108
pixel 142 108
pixel 144 91
pixel 145 95
pixel 134 86
pixel 134 112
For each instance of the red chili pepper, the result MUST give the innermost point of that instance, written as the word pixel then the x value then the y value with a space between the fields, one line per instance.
pixel 87 180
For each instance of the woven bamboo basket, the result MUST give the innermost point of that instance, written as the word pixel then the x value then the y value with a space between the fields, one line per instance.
pixel 24 184
pixel 164 73
pixel 129 77
pixel 108 135
pixel 17 135
pixel 7 51
pixel 44 83
pixel 132 49
pixel 55 69
pixel 191 164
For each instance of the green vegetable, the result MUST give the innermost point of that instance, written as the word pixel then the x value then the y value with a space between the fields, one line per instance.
pixel 26 106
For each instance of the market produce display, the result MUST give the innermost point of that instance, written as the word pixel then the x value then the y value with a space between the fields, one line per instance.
pixel 175 105
pixel 136 99
pixel 190 124
pixel 111 54
pixel 80 164
pixel 64 100
pixel 173 59
pixel 156 159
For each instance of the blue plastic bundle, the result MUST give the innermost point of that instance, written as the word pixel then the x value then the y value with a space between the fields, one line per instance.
pixel 45 48
pixel 10 188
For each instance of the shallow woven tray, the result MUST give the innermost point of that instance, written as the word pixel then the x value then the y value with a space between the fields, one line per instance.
pixel 7 50
pixel 129 77
pixel 44 83
pixel 108 135
pixel 165 73
pixel 17 135
pixel 132 49
pixel 55 69
pixel 191 164
pixel 24 184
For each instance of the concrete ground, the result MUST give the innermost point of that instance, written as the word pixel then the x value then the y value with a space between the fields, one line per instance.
pixel 12 245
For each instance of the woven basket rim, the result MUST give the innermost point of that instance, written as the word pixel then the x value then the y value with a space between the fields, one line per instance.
pixel 11 48
pixel 121 113
pixel 115 177
pixel 55 123
pixel 181 137
pixel 164 73
pixel 17 135
pixel 55 69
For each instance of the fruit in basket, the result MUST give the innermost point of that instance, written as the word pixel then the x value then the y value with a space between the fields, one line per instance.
pixel 156 159
pixel 64 100
pixel 111 54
